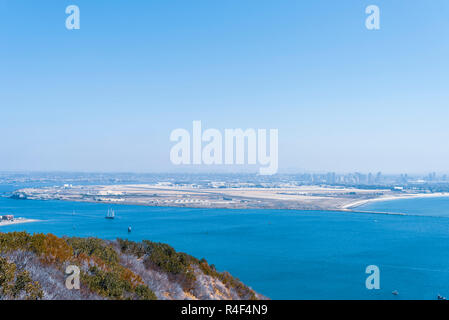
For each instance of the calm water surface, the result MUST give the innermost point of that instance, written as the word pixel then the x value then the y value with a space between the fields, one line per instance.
pixel 283 254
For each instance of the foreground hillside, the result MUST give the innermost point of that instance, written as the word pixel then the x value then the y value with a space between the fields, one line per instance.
pixel 33 267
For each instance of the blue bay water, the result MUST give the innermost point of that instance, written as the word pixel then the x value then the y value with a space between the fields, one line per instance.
pixel 283 254
pixel 438 206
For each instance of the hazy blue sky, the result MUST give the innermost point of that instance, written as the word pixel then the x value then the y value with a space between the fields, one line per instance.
pixel 107 96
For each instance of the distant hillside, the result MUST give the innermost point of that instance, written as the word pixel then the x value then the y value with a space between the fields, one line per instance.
pixel 33 266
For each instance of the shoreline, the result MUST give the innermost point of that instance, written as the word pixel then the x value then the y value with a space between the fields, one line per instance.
pixel 297 198
pixel 347 208
pixel 336 210
pixel 359 203
pixel 17 221
pixel 304 198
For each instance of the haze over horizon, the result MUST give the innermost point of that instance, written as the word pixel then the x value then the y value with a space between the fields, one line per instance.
pixel 106 97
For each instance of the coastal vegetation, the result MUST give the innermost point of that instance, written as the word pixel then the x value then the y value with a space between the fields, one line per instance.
pixel 33 267
pixel 181 266
pixel 16 284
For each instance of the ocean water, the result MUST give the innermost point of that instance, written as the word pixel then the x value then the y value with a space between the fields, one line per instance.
pixel 437 207
pixel 283 254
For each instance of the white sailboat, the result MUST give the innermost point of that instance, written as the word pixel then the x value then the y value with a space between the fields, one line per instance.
pixel 110 214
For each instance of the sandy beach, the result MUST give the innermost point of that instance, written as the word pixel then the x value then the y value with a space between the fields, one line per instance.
pixel 358 203
pixel 16 221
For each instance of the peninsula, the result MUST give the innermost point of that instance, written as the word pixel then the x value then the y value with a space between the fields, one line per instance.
pixel 165 194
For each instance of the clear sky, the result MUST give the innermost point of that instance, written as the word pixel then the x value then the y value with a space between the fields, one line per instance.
pixel 107 96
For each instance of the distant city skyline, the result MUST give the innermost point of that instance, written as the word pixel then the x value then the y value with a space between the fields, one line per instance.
pixel 105 98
